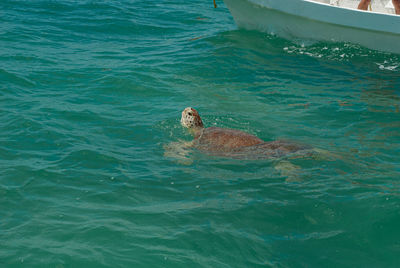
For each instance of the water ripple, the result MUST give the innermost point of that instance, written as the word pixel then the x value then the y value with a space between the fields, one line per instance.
pixel 92 92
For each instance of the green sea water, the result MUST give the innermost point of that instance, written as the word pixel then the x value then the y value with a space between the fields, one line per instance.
pixel 92 91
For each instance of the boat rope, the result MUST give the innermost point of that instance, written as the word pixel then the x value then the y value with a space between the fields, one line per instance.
pixel 215 4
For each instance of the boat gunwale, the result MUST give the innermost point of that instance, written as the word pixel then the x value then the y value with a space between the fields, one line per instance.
pixel 345 12
pixel 351 9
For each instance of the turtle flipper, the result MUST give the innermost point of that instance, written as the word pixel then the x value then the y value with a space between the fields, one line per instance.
pixel 289 170
pixel 321 154
pixel 178 151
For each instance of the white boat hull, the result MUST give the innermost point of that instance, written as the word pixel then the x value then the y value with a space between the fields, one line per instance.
pixel 307 20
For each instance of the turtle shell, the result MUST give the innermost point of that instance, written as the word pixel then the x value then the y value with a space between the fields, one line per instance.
pixel 238 144
pixel 217 139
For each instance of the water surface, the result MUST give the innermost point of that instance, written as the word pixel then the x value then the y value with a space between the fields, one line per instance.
pixel 90 93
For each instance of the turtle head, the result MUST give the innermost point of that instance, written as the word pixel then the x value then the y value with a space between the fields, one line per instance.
pixel 191 119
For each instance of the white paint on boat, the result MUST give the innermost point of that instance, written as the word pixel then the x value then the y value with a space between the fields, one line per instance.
pixel 327 20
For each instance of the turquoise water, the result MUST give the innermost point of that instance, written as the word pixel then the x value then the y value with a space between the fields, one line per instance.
pixel 92 91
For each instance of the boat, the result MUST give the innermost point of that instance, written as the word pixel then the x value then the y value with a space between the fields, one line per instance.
pixel 322 20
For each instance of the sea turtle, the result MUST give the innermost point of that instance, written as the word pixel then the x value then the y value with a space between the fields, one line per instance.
pixel 240 145
pixel 234 143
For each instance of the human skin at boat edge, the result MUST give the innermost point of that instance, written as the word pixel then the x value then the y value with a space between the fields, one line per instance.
pixel 365 3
